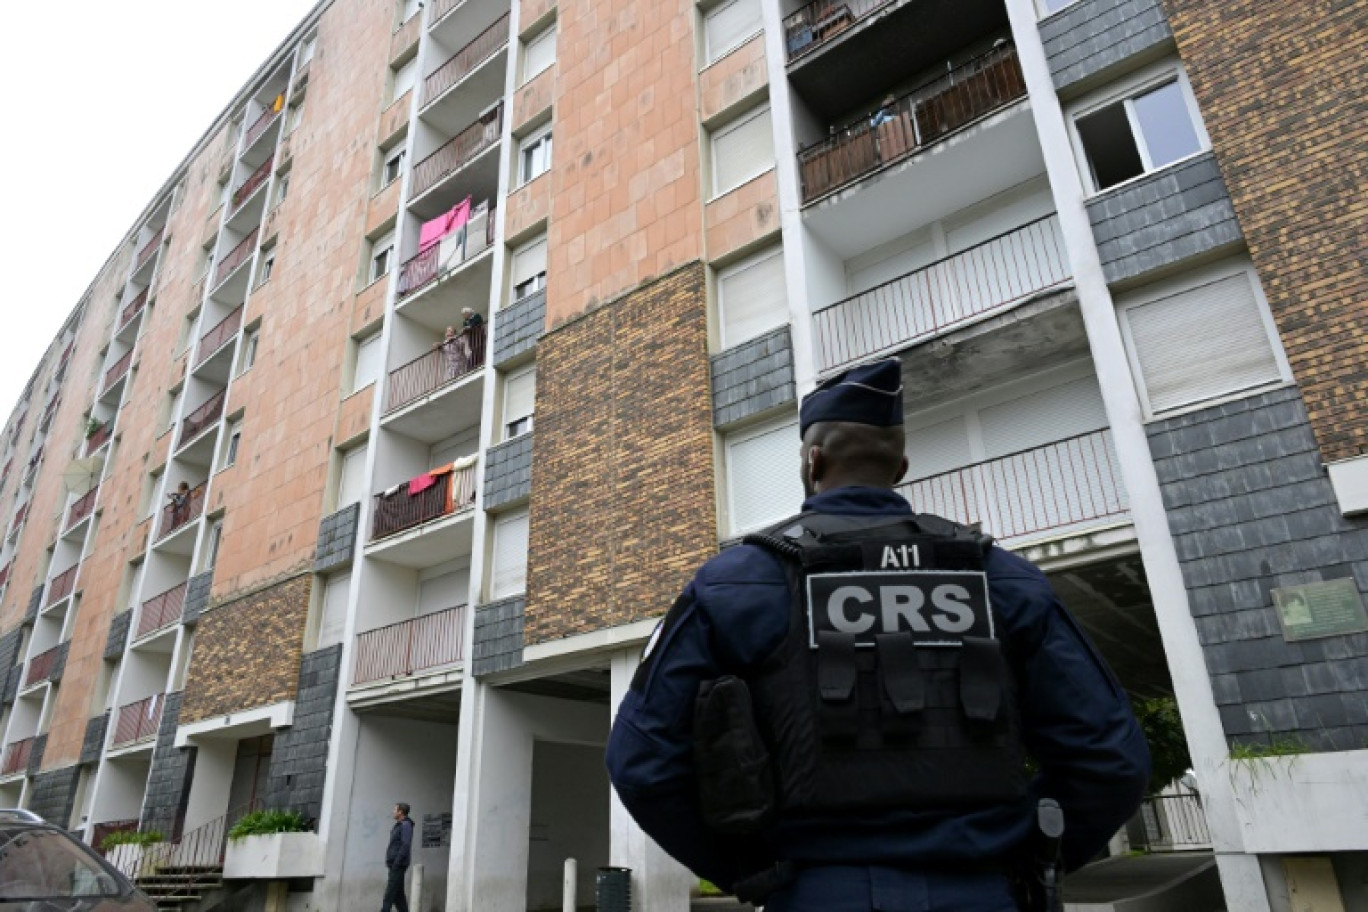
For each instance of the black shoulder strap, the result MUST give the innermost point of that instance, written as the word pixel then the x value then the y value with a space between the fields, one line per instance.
pixel 789 537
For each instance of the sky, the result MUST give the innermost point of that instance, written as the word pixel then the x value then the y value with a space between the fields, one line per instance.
pixel 106 98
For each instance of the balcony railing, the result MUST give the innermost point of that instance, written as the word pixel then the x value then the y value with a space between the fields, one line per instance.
pixel 442 7
pixel 253 181
pixel 83 507
pixel 20 515
pixel 915 121
pixel 174 515
pixel 61 585
pixel 259 126
pixel 449 362
pixel 150 248
pixel 817 23
pixel 41 667
pixel 116 371
pixel 161 611
pixel 466 59
pixel 430 265
pixel 458 151
pixel 133 307
pixel 453 492
pixel 138 721
pixel 1174 823
pixel 17 757
pixel 5 573
pixel 216 337
pixel 1032 493
pixel 924 303
pixel 402 649
pixel 208 413
pixel 100 437
pixel 236 257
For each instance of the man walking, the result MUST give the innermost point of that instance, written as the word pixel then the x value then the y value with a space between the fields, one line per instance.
pixel 836 715
pixel 397 857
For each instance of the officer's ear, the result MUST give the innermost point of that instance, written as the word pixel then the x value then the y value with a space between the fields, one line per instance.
pixel 816 465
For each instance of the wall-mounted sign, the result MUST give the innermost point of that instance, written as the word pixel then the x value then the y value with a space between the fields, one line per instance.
pixel 1328 608
pixel 436 830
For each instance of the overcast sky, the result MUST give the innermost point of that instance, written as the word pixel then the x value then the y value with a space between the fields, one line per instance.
pixel 106 98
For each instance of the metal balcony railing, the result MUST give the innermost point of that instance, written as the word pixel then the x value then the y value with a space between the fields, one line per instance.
pixel 448 362
pixel 61 585
pixel 116 371
pixel 17 757
pixel 21 514
pixel 138 721
pixel 457 152
pixel 453 492
pixel 150 248
pixel 442 7
pixel 422 270
pixel 915 121
pixel 133 307
pixel 161 610
pixel 208 413
pixel 174 515
pixel 253 181
pixel 402 649
pixel 42 666
pixel 1030 494
pixel 236 257
pixel 5 573
pixel 218 335
pixel 817 23
pixel 100 437
pixel 259 126
pixel 926 302
pixel 480 49
pixel 83 507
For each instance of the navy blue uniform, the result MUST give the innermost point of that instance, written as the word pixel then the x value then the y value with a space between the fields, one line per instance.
pixel 1077 724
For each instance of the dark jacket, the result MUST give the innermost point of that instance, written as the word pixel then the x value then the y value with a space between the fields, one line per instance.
pixel 401 841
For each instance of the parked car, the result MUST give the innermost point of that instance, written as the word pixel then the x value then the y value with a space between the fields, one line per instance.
pixel 44 868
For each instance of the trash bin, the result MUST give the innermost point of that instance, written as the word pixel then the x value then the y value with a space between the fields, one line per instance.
pixel 614 887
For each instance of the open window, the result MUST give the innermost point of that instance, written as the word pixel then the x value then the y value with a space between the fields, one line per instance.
pixel 1149 127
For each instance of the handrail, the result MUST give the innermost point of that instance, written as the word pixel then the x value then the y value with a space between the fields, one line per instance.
pixel 17 756
pixel 61 585
pixel 138 721
pixel 253 181
pixel 820 21
pixel 442 7
pixel 259 126
pixel 190 853
pixel 424 268
pixel 208 413
pixel 100 437
pixel 463 62
pixel 446 363
pixel 458 151
pixel 219 334
pixel 405 647
pixel 41 666
pixel 161 610
pixel 453 493
pixel 150 248
pixel 236 257
pixel 83 507
pixel 116 371
pixel 133 307
pixel 174 517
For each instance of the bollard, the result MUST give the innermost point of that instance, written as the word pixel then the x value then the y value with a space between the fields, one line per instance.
pixel 415 887
pixel 568 886
pixel 614 889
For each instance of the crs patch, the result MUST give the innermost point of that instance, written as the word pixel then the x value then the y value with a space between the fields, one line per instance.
pixel 938 607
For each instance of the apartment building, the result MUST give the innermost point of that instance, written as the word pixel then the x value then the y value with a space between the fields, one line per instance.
pixel 366 465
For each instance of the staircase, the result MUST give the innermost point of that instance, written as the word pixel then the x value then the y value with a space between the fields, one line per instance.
pixel 176 886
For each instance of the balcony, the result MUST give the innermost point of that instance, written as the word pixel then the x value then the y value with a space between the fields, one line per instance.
pixel 149 249
pixel 235 258
pixel 61 586
pixel 21 514
pixel 218 336
pixel 253 182
pixel 5 573
pixel 446 256
pixel 447 363
pixel 116 372
pixel 44 666
pixel 441 7
pixel 916 121
pixel 82 508
pixel 138 721
pixel 133 308
pixel 453 492
pixel 17 757
pixel 206 415
pixel 100 437
pixel 400 650
pixel 161 611
pixel 992 276
pixel 465 61
pixel 1059 489
pixel 176 516
pixel 458 152
pixel 269 116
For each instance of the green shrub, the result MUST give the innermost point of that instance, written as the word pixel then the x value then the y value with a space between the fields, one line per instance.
pixel 130 837
pixel 262 823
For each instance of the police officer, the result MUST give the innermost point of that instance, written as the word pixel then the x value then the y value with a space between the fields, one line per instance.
pixel 894 711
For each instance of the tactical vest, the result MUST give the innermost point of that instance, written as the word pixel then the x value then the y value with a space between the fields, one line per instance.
pixel 891 688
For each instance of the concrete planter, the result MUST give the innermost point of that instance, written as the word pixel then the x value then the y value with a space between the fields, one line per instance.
pixel 274 856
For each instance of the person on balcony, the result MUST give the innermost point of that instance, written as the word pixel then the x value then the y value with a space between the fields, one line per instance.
pixel 180 503
pixel 453 353
pixel 471 322
pixel 398 854
pixel 836 713
pixel 887 111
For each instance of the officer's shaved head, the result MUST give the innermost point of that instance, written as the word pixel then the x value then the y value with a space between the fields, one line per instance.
pixel 840 453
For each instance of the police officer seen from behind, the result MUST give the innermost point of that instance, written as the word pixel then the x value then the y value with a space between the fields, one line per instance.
pixel 836 715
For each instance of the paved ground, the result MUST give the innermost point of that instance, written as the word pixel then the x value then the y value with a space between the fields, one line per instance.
pixel 1127 876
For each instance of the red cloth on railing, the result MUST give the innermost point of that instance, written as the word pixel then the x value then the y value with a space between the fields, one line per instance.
pixel 422 483
pixel 444 224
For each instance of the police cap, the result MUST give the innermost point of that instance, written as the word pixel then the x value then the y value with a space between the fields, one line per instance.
pixel 868 394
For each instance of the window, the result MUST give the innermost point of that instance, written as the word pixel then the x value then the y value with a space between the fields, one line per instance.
pixel 764 483
pixel 351 484
pixel 334 605
pixel 294 118
pixel 534 156
pixel 307 52
pixel 282 188
pixel 1205 341
pixel 403 79
pixel 234 440
pixel 368 361
pixel 249 350
pixel 1140 133
pixel 508 576
pixel 741 150
pixel 393 166
pixel 729 25
pixel 382 256
pixel 752 297
pixel 529 269
pixel 211 550
pixel 408 9
pixel 539 54
pixel 267 266
pixel 1052 6
pixel 520 397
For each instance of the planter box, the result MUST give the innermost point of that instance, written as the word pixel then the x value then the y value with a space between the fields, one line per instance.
pixel 274 856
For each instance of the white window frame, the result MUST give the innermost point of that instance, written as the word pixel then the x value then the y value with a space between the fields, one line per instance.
pixel 250 342
pixel 537 280
pixel 501 522
pixel 232 441
pixel 401 74
pixel 282 187
pixel 392 159
pixel 375 339
pixel 1125 91
pixel 730 127
pixel 750 262
pixel 709 55
pixel 381 247
pixel 268 257
pixel 529 143
pixel 1191 281
pixel 504 418
pixel 213 541
pixel 547 34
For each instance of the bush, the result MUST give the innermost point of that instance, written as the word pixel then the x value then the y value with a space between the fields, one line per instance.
pixel 263 823
pixel 130 837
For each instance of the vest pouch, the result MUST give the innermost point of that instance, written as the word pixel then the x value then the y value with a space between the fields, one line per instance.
pixel 735 781
pixel 902 687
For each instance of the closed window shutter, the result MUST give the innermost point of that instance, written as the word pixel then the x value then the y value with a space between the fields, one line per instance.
pixel 510 556
pixel 334 619
pixel 539 54
pixel 1202 343
pixel 520 395
pixel 742 151
pixel 763 478
pixel 1041 418
pixel 938 448
pixel 404 78
pixel 529 261
pixel 754 298
pixel 351 488
pixel 367 362
pixel 727 26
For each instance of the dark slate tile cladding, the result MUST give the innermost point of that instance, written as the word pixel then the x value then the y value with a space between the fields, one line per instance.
pixel 59 665
pixel 118 634
pixel 1251 509
pixel 1088 40
pixel 16 674
pixel 168 782
pixel 1163 218
pixel 34 605
pixel 54 794
pixel 498 636
pixel 508 472
pixel 36 755
pixel 336 539
pixel 93 742
pixel 9 649
pixel 196 597
pixel 752 378
pixel 299 758
pixel 518 327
